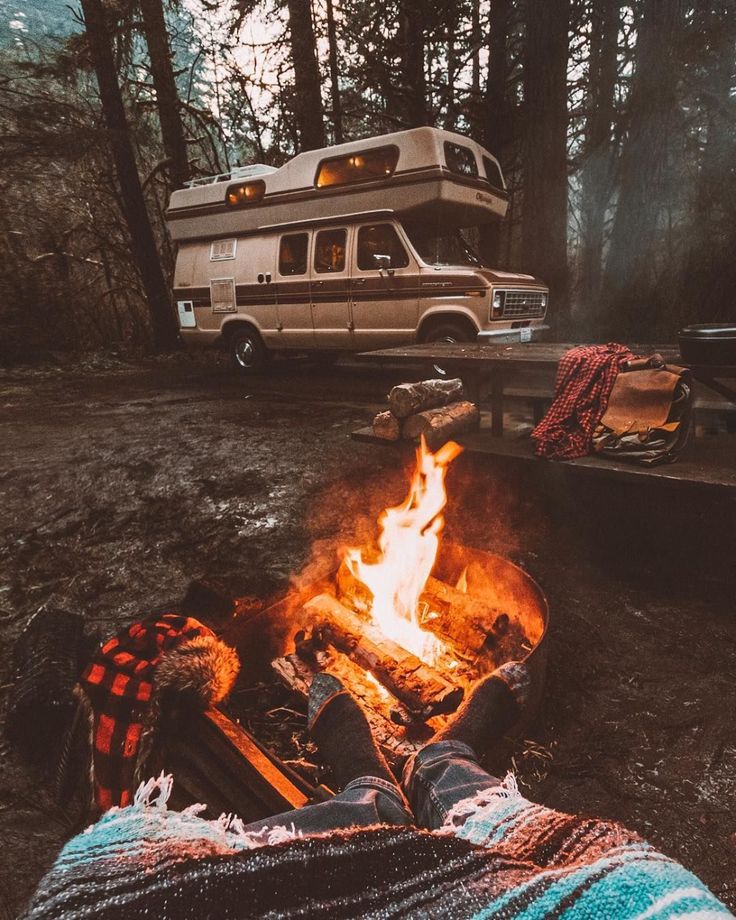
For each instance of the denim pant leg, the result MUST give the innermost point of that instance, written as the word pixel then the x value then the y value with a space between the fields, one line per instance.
pixel 441 775
pixel 365 801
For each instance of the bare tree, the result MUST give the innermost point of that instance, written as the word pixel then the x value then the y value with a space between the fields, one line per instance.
pixel 544 221
pixel 497 128
pixel 643 193
pixel 334 74
pixel 133 204
pixel 309 112
pixel 167 98
pixel 596 178
pixel 412 43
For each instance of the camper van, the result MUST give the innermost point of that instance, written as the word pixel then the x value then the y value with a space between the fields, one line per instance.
pixel 359 246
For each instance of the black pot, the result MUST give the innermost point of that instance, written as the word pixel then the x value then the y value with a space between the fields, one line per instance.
pixel 710 343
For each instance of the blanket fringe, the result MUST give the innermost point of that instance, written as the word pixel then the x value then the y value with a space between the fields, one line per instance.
pixel 265 837
pixel 156 791
pixel 160 785
pixel 507 791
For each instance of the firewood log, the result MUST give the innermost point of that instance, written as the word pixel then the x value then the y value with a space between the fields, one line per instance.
pixel 473 624
pixel 391 735
pixel 423 690
pixel 439 425
pixel 387 426
pixel 408 398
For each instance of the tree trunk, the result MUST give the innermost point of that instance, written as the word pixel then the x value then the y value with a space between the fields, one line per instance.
pixel 167 98
pixel 605 21
pixel 630 274
pixel 334 74
pixel 309 113
pixel 142 239
pixel 497 129
pixel 707 275
pixel 412 16
pixel 544 215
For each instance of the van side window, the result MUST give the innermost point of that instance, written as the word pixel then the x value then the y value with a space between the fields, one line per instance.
pixel 380 240
pixel 460 159
pixel 329 251
pixel 293 254
pixel 493 173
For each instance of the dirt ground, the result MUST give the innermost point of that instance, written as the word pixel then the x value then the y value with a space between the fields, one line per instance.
pixel 120 483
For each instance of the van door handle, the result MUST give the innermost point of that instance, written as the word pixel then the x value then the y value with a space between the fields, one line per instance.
pixel 318 283
pixel 359 281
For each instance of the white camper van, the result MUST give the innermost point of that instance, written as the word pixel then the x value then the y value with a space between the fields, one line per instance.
pixel 348 248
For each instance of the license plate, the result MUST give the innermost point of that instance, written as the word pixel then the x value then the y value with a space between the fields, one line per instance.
pixel 525 335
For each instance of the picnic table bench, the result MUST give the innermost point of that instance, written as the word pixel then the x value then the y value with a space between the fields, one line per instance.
pixel 528 371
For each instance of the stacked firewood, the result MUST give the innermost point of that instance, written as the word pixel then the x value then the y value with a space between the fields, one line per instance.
pixel 436 409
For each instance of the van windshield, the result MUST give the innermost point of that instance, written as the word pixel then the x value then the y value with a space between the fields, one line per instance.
pixel 446 247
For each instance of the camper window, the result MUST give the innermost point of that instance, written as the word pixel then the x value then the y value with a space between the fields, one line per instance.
pixel 329 251
pixel 442 247
pixel 493 173
pixel 293 254
pixel 460 159
pixel 245 193
pixel 377 240
pixel 357 167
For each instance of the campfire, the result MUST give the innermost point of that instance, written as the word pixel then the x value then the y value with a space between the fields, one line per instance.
pixel 409 622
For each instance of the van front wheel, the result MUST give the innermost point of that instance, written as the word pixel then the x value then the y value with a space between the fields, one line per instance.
pixel 450 332
pixel 247 351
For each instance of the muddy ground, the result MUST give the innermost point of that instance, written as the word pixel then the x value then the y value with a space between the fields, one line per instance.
pixel 119 483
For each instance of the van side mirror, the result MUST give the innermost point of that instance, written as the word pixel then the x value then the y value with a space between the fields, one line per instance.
pixel 382 261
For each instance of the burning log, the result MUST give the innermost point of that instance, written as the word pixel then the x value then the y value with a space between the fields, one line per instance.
pixel 439 425
pixel 420 687
pixel 408 398
pixel 386 426
pixel 471 623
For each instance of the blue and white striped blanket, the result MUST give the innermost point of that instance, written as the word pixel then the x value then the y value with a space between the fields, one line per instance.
pixel 499 857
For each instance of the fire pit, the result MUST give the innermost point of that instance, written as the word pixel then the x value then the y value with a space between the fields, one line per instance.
pixel 408 624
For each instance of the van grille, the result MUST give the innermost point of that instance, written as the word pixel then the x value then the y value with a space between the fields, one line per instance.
pixel 529 304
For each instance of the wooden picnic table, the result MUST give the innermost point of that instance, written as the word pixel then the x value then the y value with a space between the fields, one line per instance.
pixel 492 365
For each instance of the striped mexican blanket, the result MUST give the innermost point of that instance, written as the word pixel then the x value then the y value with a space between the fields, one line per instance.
pixel 499 856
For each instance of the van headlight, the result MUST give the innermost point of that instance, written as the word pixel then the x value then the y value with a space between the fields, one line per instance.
pixel 497 304
pixel 543 301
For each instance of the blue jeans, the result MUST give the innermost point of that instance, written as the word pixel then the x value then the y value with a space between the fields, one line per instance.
pixel 438 777
pixel 441 775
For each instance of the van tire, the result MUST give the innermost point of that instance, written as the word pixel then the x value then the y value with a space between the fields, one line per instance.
pixel 448 330
pixel 247 352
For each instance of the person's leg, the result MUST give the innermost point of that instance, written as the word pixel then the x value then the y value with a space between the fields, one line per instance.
pixel 447 770
pixel 370 794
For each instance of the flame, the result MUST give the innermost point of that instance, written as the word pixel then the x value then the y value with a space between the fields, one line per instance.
pixel 377 685
pixel 408 546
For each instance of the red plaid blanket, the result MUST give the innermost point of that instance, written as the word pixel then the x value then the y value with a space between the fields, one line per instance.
pixel 119 684
pixel 585 378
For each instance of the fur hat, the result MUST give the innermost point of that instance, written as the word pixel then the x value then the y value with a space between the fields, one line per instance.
pixel 200 671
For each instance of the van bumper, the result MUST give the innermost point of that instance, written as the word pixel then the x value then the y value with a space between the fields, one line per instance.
pixel 511 336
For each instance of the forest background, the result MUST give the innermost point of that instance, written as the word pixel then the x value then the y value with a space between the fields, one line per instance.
pixel 614 124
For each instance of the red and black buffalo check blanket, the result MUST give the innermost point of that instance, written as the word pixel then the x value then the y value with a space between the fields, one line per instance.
pixel 585 378
pixel 119 683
